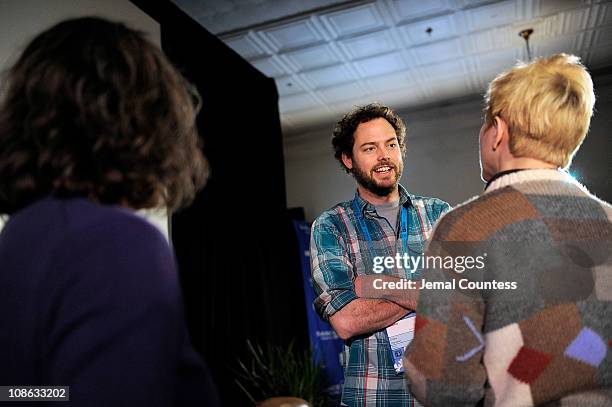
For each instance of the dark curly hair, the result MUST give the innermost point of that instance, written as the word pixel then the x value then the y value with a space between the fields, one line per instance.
pixel 344 133
pixel 92 109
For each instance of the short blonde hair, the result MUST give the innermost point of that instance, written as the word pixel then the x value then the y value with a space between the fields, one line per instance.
pixel 547 104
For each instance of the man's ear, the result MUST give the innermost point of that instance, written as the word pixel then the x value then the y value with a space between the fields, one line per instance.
pixel 347 161
pixel 501 133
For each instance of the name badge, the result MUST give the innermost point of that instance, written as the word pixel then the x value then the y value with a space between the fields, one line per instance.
pixel 400 335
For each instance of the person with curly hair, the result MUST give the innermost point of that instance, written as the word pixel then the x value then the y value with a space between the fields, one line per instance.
pixel 96 123
pixel 383 219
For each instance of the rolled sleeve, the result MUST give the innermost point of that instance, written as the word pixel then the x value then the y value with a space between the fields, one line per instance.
pixel 444 208
pixel 331 269
pixel 438 209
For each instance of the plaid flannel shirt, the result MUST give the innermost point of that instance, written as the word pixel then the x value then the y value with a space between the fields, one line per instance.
pixel 339 253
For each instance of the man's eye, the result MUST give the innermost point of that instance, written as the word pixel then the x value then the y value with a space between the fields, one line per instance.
pixel 369 149
pixel 393 145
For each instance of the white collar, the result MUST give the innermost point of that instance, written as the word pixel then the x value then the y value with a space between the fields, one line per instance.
pixel 539 174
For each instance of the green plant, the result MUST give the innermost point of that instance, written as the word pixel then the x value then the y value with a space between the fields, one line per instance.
pixel 281 371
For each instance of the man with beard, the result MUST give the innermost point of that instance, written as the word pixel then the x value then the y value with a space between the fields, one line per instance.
pixel 383 219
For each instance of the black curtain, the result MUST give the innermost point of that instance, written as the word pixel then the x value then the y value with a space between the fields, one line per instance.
pixel 235 247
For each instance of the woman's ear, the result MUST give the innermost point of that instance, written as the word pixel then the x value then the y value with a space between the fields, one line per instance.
pixel 501 133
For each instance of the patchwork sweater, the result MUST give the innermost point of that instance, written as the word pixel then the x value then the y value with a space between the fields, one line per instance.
pixel 534 324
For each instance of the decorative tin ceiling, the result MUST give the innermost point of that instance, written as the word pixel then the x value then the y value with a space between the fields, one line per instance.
pixel 327 56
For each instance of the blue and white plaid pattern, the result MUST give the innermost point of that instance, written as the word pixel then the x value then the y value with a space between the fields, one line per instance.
pixel 339 253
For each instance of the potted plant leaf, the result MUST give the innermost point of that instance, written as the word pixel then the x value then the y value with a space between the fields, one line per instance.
pixel 281 371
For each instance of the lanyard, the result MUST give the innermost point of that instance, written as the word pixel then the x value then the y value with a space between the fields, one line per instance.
pixel 404 236
pixel 366 232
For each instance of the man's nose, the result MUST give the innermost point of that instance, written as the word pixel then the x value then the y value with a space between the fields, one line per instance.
pixel 383 154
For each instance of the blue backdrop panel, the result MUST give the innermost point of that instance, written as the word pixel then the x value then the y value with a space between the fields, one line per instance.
pixel 326 345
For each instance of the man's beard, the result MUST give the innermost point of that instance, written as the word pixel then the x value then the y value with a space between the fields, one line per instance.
pixel 369 183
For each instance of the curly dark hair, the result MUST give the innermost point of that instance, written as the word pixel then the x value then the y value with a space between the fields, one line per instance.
pixel 344 133
pixel 91 108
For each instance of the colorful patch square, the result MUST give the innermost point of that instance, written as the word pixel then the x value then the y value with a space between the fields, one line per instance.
pixel 528 364
pixel 588 347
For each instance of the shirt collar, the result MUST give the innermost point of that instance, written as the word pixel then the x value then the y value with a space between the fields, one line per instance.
pixel 526 175
pixel 366 206
pixel 501 174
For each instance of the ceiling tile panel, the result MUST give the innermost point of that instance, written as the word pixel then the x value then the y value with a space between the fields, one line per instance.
pixel 589 39
pixel 575 20
pixel 329 76
pixel 497 39
pixel 493 63
pixel 313 57
pixel 542 27
pixel 567 44
pixel 292 103
pixel 247 46
pixel 349 91
pixel 452 68
pixel 492 15
pixel 547 7
pixel 339 53
pixel 482 41
pixel 390 82
pixel 369 44
pixel 470 3
pixel 289 85
pixel 354 20
pixel 407 10
pixel 436 52
pixel 270 67
pixel 380 65
pixel 214 7
pixel 603 12
pixel 430 30
pixel 448 88
pixel 604 36
pixel 293 35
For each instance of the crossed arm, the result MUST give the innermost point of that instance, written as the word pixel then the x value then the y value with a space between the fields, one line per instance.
pixel 353 307
pixel 363 315
pixel 374 309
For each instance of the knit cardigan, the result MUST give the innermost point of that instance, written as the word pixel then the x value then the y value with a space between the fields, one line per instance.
pixel 546 338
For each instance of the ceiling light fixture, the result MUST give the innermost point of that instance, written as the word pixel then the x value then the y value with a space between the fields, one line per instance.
pixel 525 34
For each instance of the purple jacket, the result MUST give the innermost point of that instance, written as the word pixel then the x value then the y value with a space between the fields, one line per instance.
pixel 89 298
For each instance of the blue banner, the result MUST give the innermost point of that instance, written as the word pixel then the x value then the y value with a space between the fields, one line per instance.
pixel 326 345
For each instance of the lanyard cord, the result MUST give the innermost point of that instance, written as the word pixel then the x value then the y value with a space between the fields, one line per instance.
pixel 366 232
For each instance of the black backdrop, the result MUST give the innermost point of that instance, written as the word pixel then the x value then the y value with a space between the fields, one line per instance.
pixel 237 255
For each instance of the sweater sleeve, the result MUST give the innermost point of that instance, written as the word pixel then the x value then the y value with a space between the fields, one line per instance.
pixel 444 362
pixel 113 325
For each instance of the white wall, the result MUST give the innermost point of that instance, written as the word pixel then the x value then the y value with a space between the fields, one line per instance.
pixel 441 158
pixel 21 20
